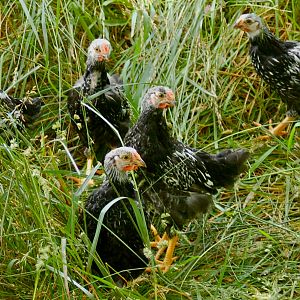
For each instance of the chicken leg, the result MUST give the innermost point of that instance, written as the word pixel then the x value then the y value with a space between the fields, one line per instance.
pixel 89 166
pixel 278 130
pixel 164 244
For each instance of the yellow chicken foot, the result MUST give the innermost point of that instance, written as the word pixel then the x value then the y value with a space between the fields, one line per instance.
pixel 160 243
pixel 169 259
pixel 278 130
pixel 164 244
pixel 89 167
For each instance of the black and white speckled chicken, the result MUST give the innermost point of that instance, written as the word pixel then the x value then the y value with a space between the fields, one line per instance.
pixel 118 223
pixel 277 62
pixel 94 132
pixel 22 111
pixel 180 180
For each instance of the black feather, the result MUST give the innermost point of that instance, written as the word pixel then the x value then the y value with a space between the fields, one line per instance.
pixel 112 251
pixel 118 224
pixel 93 131
pixel 25 111
pixel 180 180
pixel 278 63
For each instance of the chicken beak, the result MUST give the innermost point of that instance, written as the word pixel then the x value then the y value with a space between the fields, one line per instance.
pixel 169 100
pixel 167 104
pixel 239 24
pixel 138 161
pixel 102 57
pixel 172 103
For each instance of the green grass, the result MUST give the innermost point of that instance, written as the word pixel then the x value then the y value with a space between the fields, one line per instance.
pixel 248 246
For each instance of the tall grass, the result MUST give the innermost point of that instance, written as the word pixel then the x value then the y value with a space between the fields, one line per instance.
pixel 247 247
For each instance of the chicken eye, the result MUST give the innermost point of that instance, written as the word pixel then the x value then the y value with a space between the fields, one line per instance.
pixel 248 21
pixel 160 95
pixel 125 156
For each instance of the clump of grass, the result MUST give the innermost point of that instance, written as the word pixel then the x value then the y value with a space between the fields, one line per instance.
pixel 248 247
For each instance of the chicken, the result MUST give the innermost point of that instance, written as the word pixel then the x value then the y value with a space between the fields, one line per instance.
pixel 119 223
pixel 277 62
pixel 22 111
pixel 107 99
pixel 180 180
